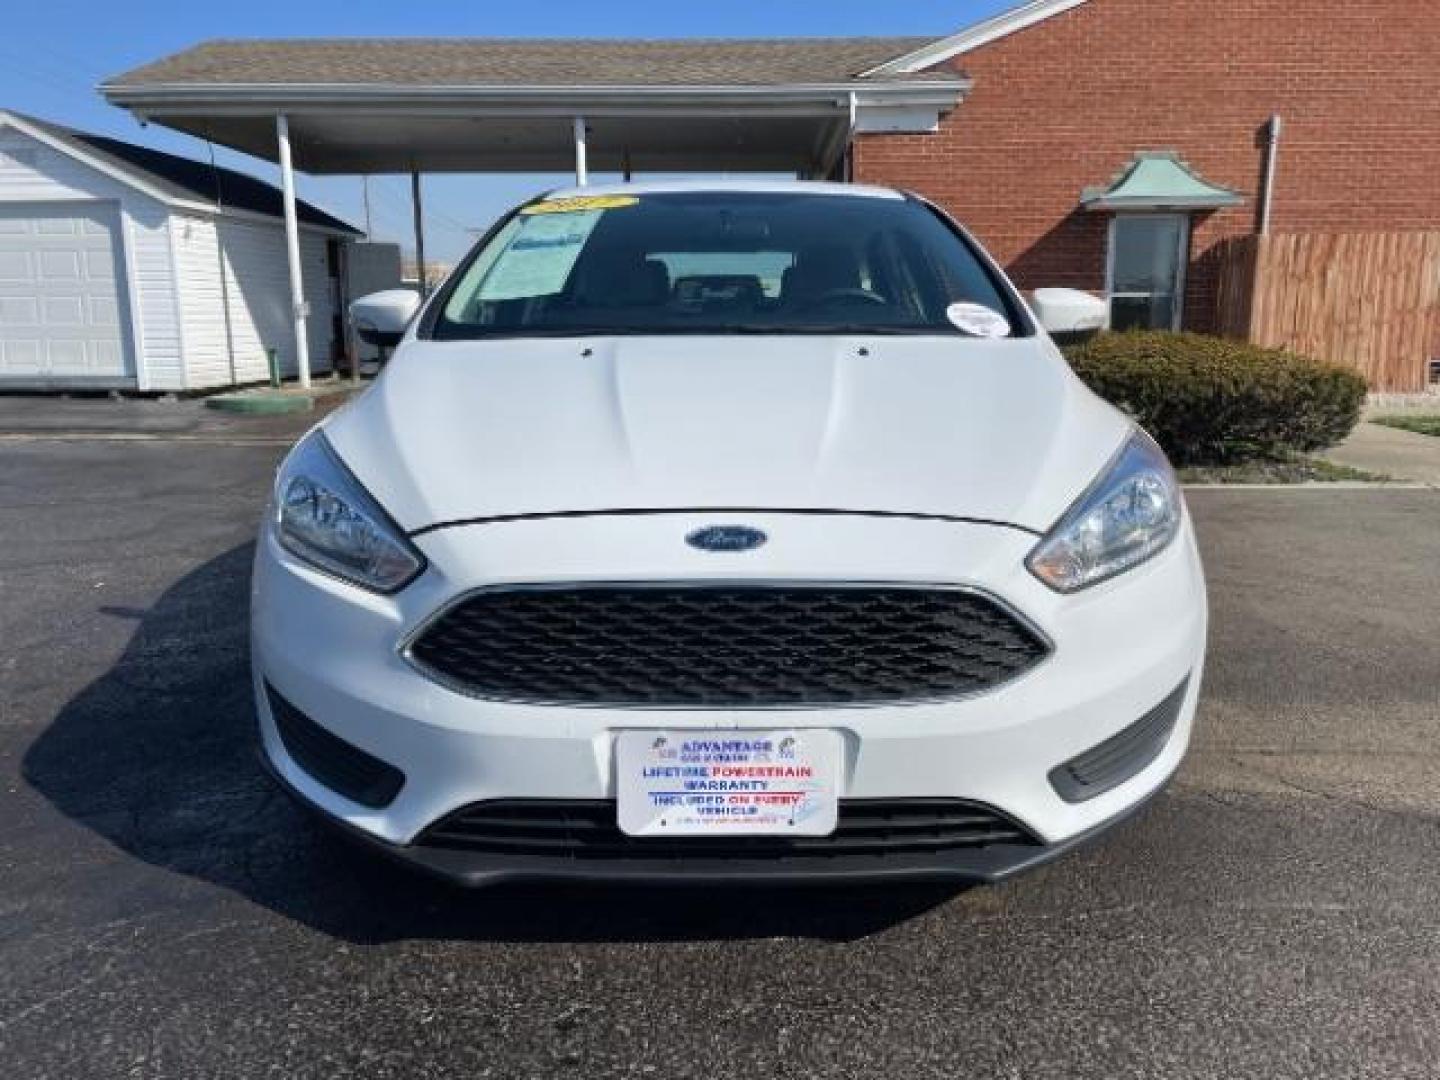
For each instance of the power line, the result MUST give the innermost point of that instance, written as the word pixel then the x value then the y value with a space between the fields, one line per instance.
pixel 439 215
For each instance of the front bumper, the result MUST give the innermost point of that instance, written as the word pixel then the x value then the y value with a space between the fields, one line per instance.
pixel 1119 649
pixel 987 865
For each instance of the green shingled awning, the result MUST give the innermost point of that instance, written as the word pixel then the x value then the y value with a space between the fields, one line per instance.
pixel 1158 180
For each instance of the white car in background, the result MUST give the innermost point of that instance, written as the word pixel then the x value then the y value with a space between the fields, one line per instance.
pixel 726 531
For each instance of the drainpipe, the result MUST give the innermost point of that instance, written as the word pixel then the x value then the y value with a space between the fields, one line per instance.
pixel 1272 156
pixel 299 308
pixel 582 171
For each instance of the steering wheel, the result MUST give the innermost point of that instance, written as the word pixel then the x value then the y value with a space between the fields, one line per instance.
pixel 833 296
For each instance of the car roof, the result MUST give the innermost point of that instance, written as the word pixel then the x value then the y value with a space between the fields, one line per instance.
pixel 761 187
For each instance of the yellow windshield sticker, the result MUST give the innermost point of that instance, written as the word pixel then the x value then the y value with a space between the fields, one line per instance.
pixel 580 203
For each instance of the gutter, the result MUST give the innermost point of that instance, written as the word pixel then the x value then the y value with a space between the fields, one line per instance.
pixel 210 210
pixel 266 97
pixel 973 37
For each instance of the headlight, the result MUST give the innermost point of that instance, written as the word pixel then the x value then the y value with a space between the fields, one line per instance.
pixel 1129 515
pixel 324 516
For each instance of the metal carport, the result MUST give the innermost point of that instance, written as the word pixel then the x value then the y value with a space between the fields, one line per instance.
pixel 498 105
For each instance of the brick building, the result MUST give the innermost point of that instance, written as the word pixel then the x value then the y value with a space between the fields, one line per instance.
pixel 1064 93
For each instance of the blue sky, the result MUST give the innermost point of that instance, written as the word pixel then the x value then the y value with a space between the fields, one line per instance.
pixel 54 52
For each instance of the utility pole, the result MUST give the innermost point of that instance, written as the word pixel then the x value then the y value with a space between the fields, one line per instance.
pixel 417 208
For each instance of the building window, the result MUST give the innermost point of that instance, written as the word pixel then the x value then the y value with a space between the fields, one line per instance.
pixel 1146 274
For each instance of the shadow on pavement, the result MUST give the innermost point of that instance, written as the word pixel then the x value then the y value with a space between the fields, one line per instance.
pixel 158 756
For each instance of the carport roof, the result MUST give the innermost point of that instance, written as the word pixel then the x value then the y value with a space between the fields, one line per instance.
pixel 491 104
pixel 526 62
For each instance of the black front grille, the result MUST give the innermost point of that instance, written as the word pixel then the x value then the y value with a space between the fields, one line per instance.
pixel 346 769
pixel 587 829
pixel 1120 757
pixel 726 645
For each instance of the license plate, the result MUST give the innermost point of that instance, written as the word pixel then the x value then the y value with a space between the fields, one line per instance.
pixel 723 783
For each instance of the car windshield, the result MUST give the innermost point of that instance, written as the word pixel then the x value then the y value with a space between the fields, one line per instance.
pixel 723 262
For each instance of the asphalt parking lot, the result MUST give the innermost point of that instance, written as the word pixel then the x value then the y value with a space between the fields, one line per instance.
pixel 164 912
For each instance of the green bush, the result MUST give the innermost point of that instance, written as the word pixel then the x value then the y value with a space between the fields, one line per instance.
pixel 1214 401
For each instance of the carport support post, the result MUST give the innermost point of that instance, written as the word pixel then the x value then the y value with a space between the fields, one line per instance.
pixel 292 250
pixel 417 210
pixel 582 170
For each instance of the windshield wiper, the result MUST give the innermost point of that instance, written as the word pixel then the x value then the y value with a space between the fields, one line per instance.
pixel 480 333
pixel 861 329
pixel 807 330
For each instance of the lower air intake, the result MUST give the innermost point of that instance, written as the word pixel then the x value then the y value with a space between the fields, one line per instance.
pixel 347 770
pixel 579 829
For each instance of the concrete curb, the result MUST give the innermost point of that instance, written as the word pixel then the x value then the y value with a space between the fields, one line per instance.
pixel 261 403
pixel 1320 485
pixel 272 401
pixel 1387 451
pixel 145 438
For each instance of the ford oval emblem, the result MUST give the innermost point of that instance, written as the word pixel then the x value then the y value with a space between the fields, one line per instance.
pixel 726 538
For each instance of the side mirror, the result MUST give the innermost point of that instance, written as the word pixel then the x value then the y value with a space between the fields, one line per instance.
pixel 1069 311
pixel 382 318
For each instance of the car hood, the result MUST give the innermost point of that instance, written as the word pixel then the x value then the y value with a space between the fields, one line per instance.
pixel 985 430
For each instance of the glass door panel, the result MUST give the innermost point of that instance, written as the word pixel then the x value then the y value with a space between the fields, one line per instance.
pixel 1147 270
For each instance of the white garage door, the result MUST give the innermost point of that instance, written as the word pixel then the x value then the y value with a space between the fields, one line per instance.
pixel 61 310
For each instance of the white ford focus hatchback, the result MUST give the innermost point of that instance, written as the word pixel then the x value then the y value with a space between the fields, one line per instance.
pixel 726 531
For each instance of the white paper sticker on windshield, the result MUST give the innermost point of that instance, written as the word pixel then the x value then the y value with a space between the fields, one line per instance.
pixel 540 257
pixel 978 320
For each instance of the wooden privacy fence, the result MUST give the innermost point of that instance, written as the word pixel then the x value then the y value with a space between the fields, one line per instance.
pixel 1367 300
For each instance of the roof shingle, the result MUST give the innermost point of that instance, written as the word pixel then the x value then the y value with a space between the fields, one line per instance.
pixel 525 62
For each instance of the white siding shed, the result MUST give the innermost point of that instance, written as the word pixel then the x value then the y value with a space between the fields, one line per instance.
pixel 127 268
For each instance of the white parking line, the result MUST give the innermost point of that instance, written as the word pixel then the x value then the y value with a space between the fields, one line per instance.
pixel 1320 485
pixel 145 437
